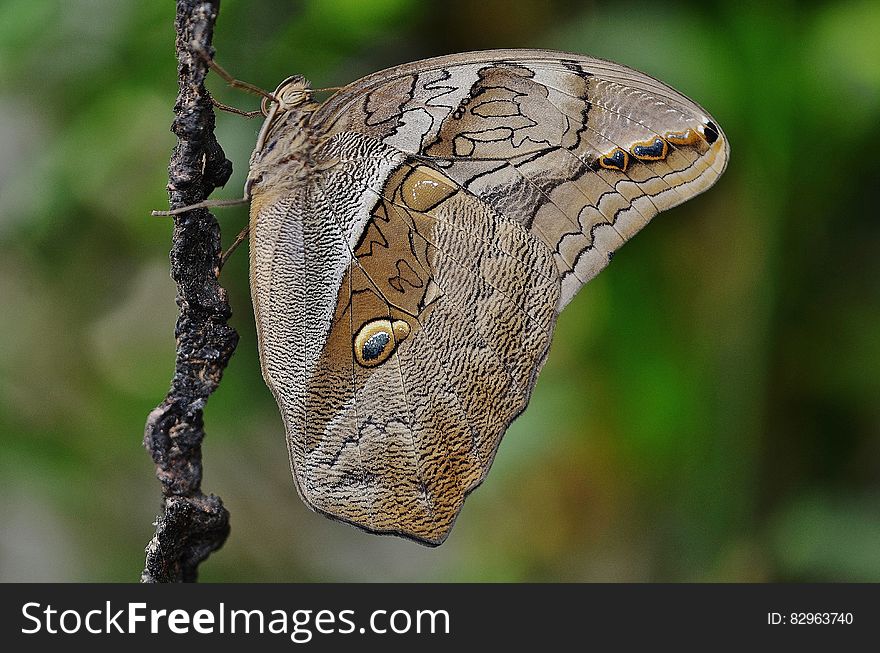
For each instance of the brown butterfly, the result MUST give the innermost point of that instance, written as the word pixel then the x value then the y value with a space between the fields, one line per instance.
pixel 413 240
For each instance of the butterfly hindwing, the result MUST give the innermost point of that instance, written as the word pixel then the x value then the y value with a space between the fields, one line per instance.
pixel 444 314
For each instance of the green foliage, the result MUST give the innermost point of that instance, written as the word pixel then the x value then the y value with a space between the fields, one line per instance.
pixel 710 407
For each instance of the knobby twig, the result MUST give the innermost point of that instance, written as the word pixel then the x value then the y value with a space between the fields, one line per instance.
pixel 191 525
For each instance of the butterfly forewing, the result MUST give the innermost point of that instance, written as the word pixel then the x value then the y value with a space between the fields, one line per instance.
pixel 582 151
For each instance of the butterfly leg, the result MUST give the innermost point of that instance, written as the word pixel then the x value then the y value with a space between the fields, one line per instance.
pixel 239 239
pixel 207 204
pixel 230 109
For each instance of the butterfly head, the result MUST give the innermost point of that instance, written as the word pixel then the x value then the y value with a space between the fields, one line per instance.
pixel 292 93
pixel 288 107
pixel 281 156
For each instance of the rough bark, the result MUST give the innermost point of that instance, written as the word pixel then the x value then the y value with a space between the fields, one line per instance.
pixel 191 524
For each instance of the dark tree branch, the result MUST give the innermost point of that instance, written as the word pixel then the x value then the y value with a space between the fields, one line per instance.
pixel 191 525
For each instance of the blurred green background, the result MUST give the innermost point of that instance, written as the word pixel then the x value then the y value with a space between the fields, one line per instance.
pixel 709 411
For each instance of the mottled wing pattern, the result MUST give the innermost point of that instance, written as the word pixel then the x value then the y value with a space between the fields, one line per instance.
pixel 467 300
pixel 399 361
pixel 406 294
pixel 581 151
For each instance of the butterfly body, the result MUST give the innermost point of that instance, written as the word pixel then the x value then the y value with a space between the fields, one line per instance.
pixel 413 240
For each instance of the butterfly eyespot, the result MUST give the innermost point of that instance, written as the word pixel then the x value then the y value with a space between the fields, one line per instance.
pixel 651 150
pixel 422 190
pixel 378 340
pixel 459 111
pixel 710 132
pixel 617 159
pixel 375 346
